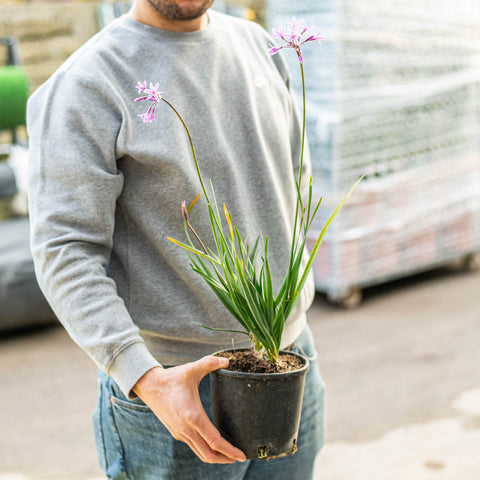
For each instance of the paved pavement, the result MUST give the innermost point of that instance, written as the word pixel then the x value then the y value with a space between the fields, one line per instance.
pixel 402 371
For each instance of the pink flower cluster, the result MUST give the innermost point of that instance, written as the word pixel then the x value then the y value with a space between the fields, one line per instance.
pixel 295 34
pixel 152 95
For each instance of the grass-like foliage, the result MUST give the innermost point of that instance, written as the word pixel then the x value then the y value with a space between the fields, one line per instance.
pixel 239 273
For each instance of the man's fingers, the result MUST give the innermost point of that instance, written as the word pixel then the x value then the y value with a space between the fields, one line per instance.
pixel 205 453
pixel 211 436
pixel 208 453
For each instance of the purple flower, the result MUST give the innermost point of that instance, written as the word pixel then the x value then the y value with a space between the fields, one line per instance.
pixel 295 34
pixel 150 94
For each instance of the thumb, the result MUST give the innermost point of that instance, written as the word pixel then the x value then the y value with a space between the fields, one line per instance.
pixel 208 364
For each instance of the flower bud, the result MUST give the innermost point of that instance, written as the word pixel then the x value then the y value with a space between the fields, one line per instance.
pixel 184 211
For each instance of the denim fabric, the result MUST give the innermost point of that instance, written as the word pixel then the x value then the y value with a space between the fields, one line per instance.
pixel 133 444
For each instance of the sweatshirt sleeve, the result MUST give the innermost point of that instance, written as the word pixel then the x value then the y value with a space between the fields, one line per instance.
pixel 73 187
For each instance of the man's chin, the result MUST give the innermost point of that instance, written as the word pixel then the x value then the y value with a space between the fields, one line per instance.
pixel 181 10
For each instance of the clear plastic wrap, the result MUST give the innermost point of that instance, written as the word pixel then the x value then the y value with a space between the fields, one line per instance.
pixel 393 93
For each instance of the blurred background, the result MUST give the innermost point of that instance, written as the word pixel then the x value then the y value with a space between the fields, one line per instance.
pixel 393 93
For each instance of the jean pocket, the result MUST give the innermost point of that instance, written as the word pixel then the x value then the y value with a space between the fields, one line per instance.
pixel 136 405
pixel 149 450
pixel 137 426
pixel 135 421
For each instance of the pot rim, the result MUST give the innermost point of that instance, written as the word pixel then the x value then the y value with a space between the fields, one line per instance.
pixel 261 376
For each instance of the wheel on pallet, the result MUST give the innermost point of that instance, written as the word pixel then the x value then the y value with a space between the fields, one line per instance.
pixel 351 298
pixel 470 262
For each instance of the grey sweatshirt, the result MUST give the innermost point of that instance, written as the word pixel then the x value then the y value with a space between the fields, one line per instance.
pixel 105 189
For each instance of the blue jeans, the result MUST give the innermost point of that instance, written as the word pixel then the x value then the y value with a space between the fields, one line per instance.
pixel 132 444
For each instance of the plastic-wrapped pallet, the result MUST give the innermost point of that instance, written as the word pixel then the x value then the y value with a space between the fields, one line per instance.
pixel 393 93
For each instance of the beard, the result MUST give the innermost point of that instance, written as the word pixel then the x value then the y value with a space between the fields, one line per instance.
pixel 172 10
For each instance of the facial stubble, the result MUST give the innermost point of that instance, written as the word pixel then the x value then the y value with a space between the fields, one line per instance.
pixel 173 11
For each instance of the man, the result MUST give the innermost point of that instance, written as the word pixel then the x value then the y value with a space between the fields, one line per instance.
pixel 105 192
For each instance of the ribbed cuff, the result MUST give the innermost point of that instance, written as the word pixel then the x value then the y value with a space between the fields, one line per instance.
pixel 130 365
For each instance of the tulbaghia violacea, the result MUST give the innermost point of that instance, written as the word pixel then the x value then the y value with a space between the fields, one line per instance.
pixel 232 268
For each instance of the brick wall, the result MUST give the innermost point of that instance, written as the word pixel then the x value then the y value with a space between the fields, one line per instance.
pixel 48 33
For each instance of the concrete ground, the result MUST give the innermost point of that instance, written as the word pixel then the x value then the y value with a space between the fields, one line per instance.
pixel 402 372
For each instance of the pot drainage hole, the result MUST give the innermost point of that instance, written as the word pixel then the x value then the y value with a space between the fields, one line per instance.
pixel 263 451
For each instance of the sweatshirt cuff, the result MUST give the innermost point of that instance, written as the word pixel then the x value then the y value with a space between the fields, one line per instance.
pixel 130 365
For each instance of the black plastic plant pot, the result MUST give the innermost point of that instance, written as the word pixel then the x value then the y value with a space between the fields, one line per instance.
pixel 259 413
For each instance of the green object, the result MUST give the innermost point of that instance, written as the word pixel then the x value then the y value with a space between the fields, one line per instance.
pixel 14 91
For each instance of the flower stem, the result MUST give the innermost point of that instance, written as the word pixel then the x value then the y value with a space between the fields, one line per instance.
pixel 196 236
pixel 299 200
pixel 303 126
pixel 192 147
pixel 201 183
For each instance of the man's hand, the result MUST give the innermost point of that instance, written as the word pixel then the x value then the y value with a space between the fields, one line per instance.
pixel 172 394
